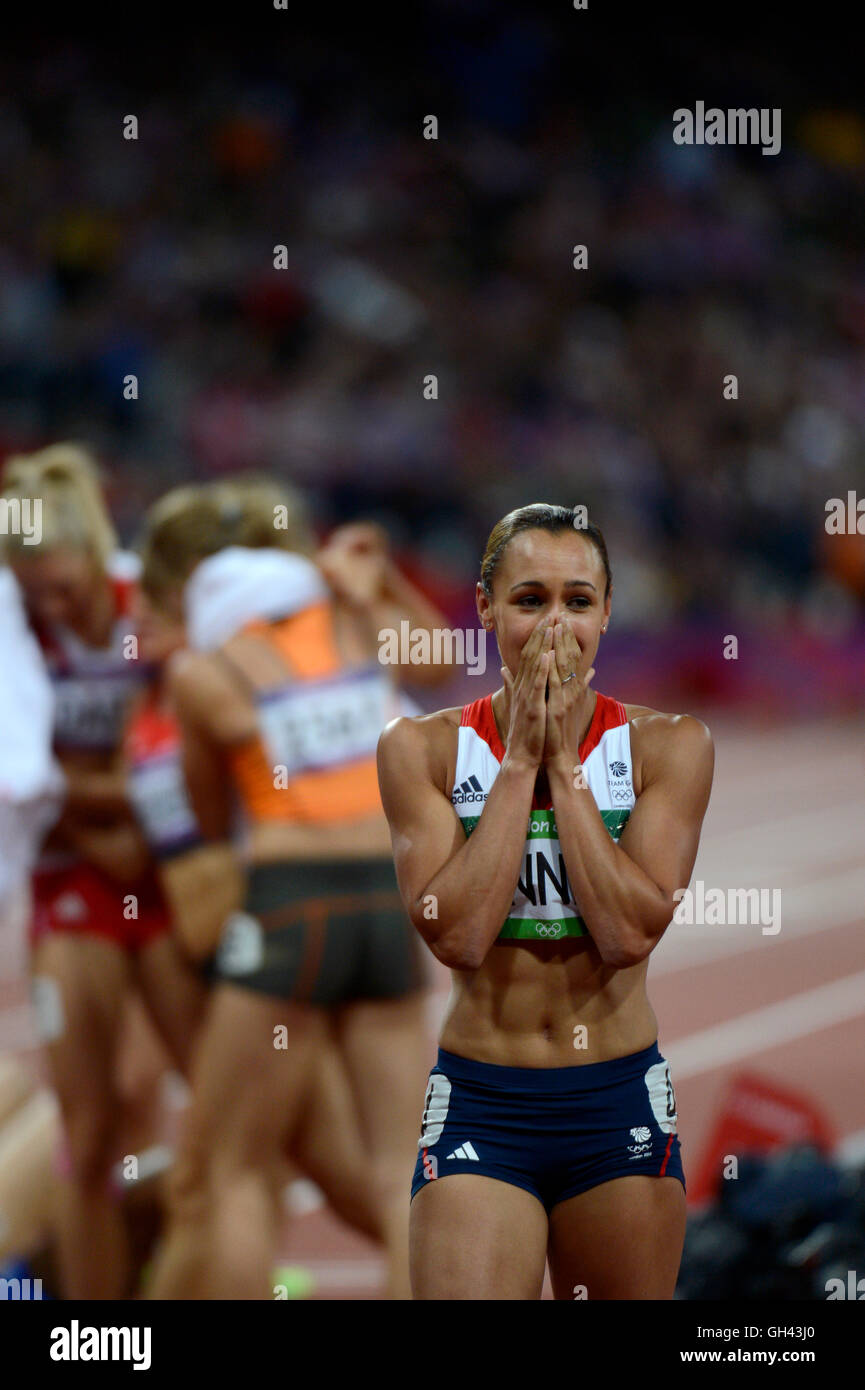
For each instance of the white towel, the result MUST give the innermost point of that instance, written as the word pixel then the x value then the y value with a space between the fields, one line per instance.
pixel 237 585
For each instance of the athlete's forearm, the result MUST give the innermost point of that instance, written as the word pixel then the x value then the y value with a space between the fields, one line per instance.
pixel 623 909
pixel 398 589
pixel 473 891
pixel 400 601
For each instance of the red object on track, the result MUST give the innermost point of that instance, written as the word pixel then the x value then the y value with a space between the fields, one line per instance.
pixel 757 1116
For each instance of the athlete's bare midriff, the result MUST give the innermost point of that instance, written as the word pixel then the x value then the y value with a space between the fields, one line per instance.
pixel 76 760
pixel 546 1004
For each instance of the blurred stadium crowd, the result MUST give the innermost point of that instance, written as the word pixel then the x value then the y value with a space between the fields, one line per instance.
pixel 408 257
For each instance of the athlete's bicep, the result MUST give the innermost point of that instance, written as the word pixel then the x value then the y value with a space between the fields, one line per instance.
pixel 663 831
pixel 425 830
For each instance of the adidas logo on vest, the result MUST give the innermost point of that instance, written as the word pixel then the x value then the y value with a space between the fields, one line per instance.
pixel 470 790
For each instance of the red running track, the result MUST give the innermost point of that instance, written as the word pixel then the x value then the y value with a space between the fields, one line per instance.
pixel 787 814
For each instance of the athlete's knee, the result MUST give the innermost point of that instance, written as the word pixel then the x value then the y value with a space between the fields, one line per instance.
pixel 88 1148
pixel 244 1211
pixel 189 1182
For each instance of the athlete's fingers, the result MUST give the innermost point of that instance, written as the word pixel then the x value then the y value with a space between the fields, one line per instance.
pixel 527 670
pixel 549 648
pixel 533 646
pixel 541 676
pixel 554 683
pixel 528 658
pixel 537 638
pixel 570 650
pixel 357 535
pixel 529 673
pixel 567 652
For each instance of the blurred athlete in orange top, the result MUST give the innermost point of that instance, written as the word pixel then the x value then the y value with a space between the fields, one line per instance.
pixel 284 718
pixel 203 881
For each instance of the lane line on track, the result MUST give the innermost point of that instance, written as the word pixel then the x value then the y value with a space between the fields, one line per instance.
pixel 808 911
pixel 762 1029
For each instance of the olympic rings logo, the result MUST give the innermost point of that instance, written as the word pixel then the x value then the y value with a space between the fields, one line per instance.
pixel 549 928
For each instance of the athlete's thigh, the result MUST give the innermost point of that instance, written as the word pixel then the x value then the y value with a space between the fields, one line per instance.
pixel 80 984
pixel 252 1071
pixel 621 1239
pixel 328 1123
pixel 175 995
pixel 142 1058
pixel 474 1237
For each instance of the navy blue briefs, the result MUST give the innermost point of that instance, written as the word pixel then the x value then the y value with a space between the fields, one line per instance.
pixel 554 1131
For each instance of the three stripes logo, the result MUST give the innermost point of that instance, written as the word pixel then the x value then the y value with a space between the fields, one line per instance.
pixel 465 1151
pixel 470 790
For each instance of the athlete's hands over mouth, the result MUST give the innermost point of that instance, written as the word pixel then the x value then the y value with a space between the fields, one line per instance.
pixel 547 712
pixel 569 701
pixel 526 697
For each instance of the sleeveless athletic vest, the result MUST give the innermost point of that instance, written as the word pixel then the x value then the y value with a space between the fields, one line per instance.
pixel 543 906
pixel 313 760
pixel 93 686
pixel 157 788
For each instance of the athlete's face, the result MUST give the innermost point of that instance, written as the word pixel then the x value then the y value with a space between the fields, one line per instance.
pixel 60 586
pixel 539 575
pixel 160 626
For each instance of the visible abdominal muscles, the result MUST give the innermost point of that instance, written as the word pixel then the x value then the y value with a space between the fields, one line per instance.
pixel 548 1004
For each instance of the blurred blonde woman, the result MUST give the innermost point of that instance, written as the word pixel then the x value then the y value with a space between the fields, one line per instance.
pixel 99 921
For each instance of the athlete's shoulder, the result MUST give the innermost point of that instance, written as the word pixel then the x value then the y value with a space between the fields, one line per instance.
pixel 248 641
pixel 655 721
pixel 421 730
pixel 660 736
pixel 415 758
pixel 193 677
pixel 419 740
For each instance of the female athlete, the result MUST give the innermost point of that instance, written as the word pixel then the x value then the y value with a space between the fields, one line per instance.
pixel 284 717
pixel 202 881
pixel 539 836
pixel 100 923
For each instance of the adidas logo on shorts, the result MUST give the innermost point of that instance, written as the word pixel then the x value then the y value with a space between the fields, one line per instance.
pixel 470 790
pixel 465 1151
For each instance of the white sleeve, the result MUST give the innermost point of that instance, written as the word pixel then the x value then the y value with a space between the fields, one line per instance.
pixel 30 779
